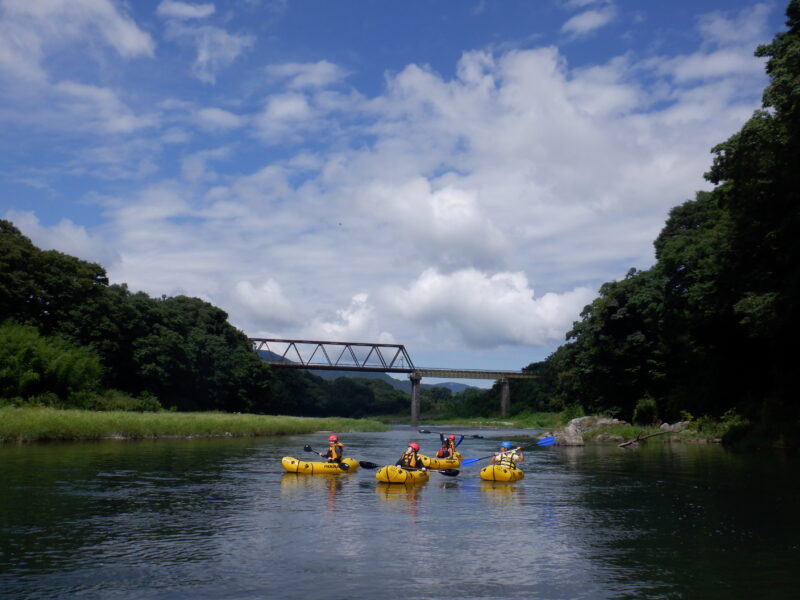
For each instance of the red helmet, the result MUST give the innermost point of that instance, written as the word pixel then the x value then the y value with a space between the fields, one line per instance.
pixel 414 445
pixel 452 436
pixel 333 438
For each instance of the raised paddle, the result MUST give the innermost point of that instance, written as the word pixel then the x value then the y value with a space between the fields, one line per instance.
pixel 371 465
pixel 342 466
pixel 466 435
pixel 548 441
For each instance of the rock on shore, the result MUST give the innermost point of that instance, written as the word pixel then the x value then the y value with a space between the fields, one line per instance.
pixel 572 434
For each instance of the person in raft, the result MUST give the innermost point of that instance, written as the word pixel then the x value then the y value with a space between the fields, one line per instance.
pixel 449 443
pixel 508 456
pixel 335 451
pixel 410 458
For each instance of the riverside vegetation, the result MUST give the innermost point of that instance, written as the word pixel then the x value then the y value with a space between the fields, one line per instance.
pixel 709 329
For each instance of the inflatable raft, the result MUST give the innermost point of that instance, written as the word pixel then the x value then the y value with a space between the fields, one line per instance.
pixel 496 473
pixel 393 474
pixel 440 463
pixel 295 465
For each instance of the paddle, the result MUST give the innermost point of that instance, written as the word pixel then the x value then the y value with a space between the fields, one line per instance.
pixel 342 466
pixel 371 465
pixel 548 441
pixel 471 435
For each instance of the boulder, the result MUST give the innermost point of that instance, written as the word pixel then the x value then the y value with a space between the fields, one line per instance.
pixel 572 434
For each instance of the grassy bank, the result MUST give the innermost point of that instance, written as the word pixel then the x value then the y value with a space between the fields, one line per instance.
pixel 48 424
pixel 521 421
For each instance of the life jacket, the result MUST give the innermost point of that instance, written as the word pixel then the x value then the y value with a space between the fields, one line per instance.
pixel 506 459
pixel 335 452
pixel 410 458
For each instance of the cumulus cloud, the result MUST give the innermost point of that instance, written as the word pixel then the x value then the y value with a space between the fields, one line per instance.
pixel 356 323
pixel 426 212
pixel 265 304
pixel 489 310
pixel 65 236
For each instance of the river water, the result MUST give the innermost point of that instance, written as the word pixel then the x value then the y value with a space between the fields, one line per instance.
pixel 219 518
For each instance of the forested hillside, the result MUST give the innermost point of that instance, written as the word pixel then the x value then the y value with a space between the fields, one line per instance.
pixel 712 326
pixel 68 338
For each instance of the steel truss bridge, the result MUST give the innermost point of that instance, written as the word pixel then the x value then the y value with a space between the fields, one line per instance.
pixel 367 357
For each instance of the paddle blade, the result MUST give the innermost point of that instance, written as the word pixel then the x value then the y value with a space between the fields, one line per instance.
pixel 469 461
pixel 368 465
pixel 449 472
pixel 423 431
pixel 307 448
pixel 344 466
pixel 548 441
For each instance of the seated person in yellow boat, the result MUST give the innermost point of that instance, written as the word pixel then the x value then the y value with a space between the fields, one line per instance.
pixel 410 458
pixel 335 451
pixel 449 443
pixel 508 456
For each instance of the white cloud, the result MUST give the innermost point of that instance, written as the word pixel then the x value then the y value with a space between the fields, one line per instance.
pixel 194 167
pixel 285 116
pixel 45 22
pixel 99 108
pixel 489 310
pixel 265 304
pixel 65 236
pixel 425 212
pixel 215 47
pixel 306 75
pixel 357 322
pixel 588 21
pixel 216 118
pixel 184 10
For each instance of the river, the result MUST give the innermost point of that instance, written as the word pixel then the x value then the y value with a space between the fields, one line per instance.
pixel 218 518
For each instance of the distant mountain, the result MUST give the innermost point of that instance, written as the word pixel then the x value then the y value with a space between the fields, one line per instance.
pixel 398 384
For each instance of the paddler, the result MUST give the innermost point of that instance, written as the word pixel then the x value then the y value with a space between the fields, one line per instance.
pixel 410 458
pixel 335 451
pixel 449 443
pixel 508 456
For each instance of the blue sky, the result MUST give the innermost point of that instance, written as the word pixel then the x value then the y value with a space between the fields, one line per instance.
pixel 458 177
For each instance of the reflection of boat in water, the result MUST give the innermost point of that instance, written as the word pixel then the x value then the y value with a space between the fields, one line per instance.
pixel 401 495
pixel 295 482
pixel 330 485
pixel 498 473
pixel 308 467
pixel 392 492
pixel 501 492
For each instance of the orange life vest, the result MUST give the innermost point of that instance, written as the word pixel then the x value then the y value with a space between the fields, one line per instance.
pixel 410 458
pixel 335 452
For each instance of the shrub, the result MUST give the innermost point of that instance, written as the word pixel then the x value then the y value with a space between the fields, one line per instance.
pixel 646 411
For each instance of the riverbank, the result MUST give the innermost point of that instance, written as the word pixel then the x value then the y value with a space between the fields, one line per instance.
pixel 49 424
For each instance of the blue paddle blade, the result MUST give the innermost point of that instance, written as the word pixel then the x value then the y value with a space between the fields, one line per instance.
pixel 469 461
pixel 548 441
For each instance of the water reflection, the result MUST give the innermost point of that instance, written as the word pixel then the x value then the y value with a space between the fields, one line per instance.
pixel 399 494
pixel 502 493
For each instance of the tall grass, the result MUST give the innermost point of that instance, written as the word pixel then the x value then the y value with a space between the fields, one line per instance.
pixel 48 424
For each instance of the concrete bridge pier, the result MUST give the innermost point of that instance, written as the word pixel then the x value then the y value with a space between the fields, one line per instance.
pixel 505 397
pixel 415 378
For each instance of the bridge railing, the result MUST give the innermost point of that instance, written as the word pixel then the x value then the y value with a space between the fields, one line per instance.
pixel 313 354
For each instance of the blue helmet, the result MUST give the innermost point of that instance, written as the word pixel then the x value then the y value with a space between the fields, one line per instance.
pixel 506 445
